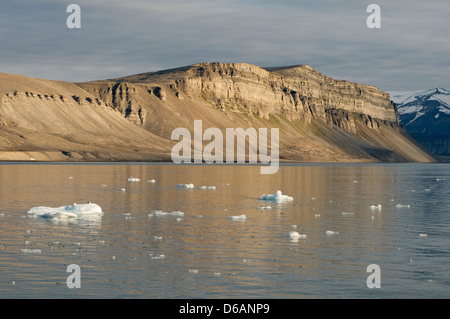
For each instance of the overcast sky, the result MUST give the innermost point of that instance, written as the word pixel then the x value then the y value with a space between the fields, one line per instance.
pixel 411 50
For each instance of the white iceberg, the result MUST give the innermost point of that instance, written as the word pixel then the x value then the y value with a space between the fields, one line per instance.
pixel 162 213
pixel 151 181
pixel 238 218
pixel 278 197
pixel 133 179
pixel 87 211
pixel 185 185
pixel 295 235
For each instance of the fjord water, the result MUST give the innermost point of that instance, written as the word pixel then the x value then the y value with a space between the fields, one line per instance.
pixel 205 254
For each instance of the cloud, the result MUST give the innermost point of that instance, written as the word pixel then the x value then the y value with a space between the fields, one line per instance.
pixel 127 37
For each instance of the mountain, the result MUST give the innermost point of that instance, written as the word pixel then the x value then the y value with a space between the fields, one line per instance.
pixel 320 119
pixel 426 117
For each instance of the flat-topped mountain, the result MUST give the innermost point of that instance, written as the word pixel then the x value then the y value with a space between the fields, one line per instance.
pixel 132 117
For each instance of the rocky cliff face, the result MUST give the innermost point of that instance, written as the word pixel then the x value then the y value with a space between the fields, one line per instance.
pixel 319 118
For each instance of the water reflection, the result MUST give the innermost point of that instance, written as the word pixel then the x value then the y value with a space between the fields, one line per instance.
pixel 250 258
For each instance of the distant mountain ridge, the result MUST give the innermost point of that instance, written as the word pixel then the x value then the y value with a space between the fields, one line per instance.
pixel 425 114
pixel 131 118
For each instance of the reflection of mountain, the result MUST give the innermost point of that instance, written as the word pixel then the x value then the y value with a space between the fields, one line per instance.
pixel 426 117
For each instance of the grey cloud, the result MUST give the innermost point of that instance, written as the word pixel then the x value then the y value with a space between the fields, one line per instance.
pixel 126 37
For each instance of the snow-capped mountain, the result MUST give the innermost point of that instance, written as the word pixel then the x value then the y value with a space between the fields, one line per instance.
pixel 426 117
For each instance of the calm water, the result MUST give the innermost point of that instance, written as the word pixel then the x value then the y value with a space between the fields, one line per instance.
pixel 234 259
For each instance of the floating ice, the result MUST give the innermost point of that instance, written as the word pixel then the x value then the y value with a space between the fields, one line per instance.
pixel 347 213
pixel 133 179
pixel 157 257
pixel 185 185
pixel 423 235
pixel 31 251
pixel 278 197
pixel 402 206
pixel 193 271
pixel 202 187
pixel 373 207
pixel 295 235
pixel 87 211
pixel 265 207
pixel 238 218
pixel 151 181
pixel 331 232
pixel 122 189
pixel 316 215
pixel 161 213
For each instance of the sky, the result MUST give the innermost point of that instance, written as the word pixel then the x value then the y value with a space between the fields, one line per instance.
pixel 411 50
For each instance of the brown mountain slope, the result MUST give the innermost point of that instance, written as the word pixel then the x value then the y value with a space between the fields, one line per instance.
pixel 132 118
pixel 53 120
pixel 320 119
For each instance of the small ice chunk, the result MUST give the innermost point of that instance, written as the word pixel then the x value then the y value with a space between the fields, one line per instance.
pixel 402 206
pixel 193 271
pixel 157 257
pixel 316 215
pixel 377 207
pixel 151 181
pixel 423 235
pixel 202 187
pixel 347 213
pixel 133 179
pixel 158 238
pixel 238 218
pixel 428 189
pixel 76 211
pixel 278 197
pixel 185 185
pixel 122 189
pixel 295 235
pixel 161 213
pixel 31 251
pixel 331 232
pixel 265 207
pixel 211 187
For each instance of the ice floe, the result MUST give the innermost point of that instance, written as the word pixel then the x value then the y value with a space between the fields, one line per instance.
pixel 238 218
pixel 331 232
pixel 375 207
pixel 162 213
pixel 293 235
pixel 207 187
pixel 87 211
pixel 278 197
pixel 133 179
pixel 423 235
pixel 185 185
pixel 151 181
pixel 265 207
